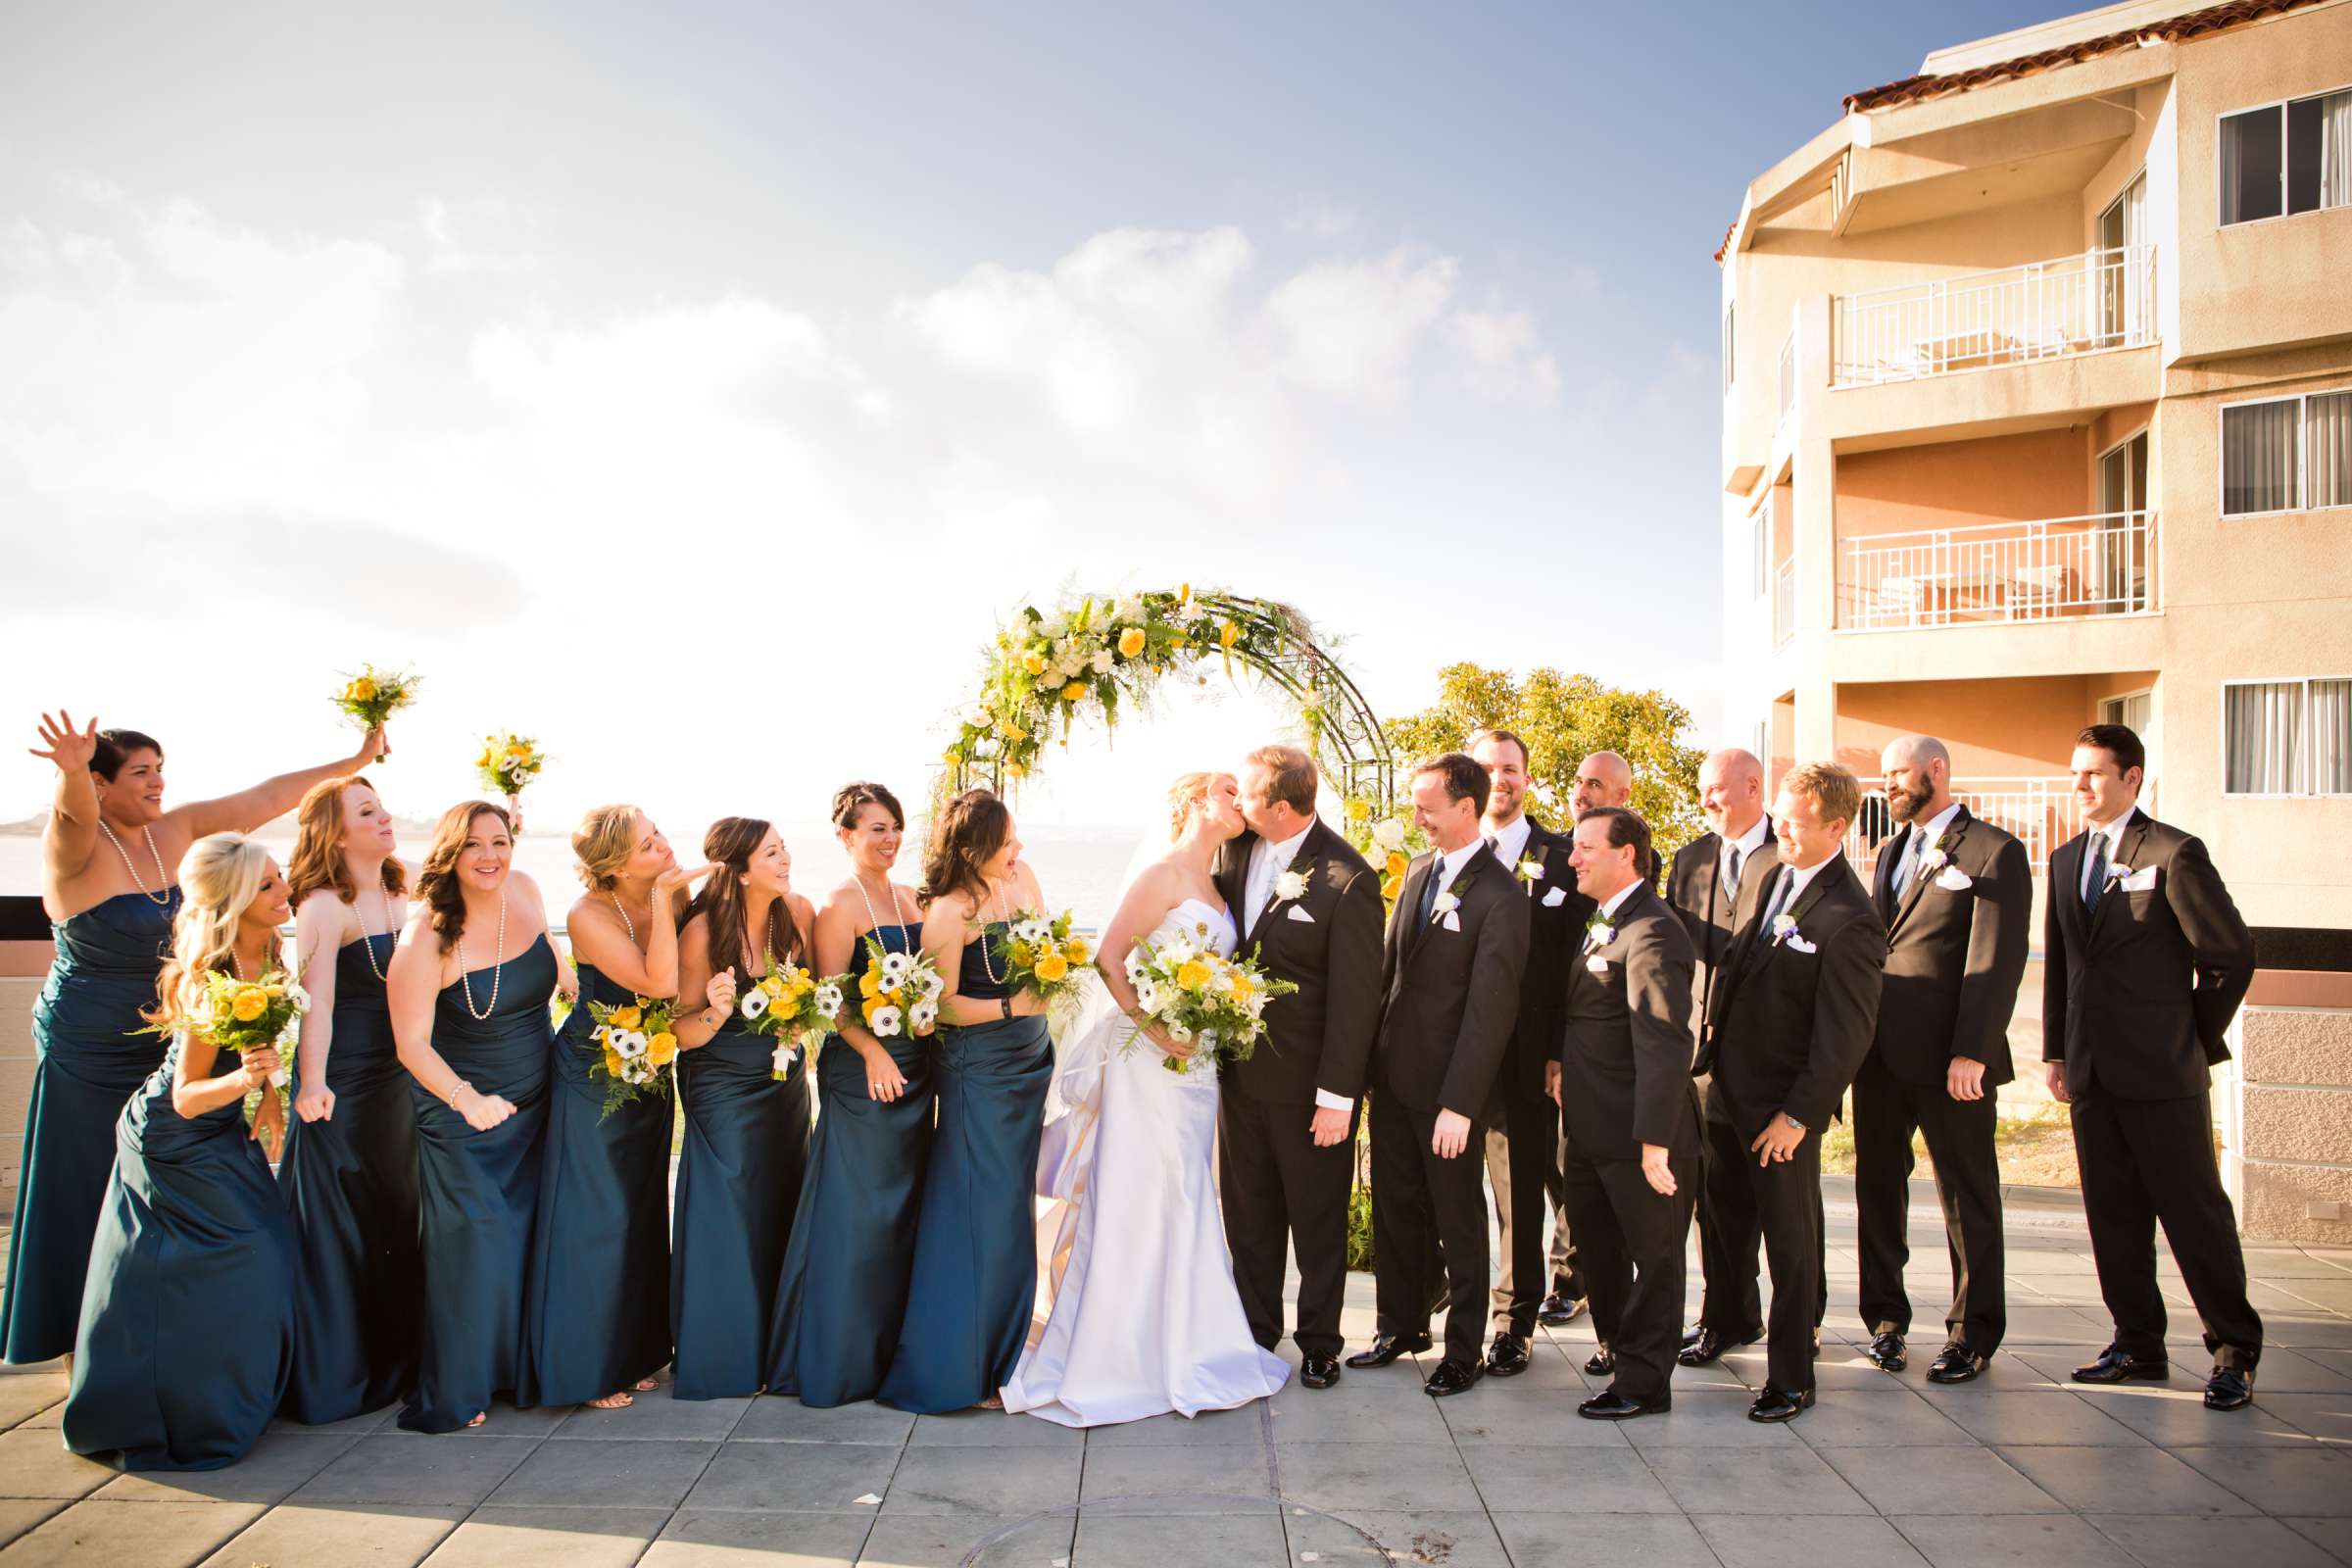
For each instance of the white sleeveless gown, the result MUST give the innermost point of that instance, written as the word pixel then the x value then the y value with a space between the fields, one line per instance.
pixel 1136 1310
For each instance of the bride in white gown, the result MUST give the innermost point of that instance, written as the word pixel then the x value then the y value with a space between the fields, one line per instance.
pixel 1136 1310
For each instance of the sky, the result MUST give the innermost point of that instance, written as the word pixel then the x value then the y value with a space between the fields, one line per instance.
pixel 696 387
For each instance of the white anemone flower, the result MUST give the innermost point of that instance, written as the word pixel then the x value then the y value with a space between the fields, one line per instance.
pixel 630 1042
pixel 1147 993
pixel 894 969
pixel 933 985
pixel 827 1000
pixel 754 1004
pixel 885 1022
pixel 922 1016
pixel 1180 1033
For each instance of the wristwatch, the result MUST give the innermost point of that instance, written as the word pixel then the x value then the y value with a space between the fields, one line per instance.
pixel 1793 1122
pixel 1006 1003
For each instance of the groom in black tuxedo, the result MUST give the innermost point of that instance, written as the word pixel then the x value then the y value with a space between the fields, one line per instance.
pixel 1308 908
pixel 1451 973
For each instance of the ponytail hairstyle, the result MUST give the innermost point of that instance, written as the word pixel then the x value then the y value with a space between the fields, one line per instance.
pixel 218 879
pixel 318 861
pixel 730 845
pixel 966 836
pixel 437 879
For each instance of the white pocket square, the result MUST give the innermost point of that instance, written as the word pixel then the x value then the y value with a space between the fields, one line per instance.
pixel 1598 964
pixel 1451 921
pixel 1556 898
pixel 1797 944
pixel 1300 915
pixel 2142 880
pixel 1953 880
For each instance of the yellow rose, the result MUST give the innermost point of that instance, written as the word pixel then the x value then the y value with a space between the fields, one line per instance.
pixel 663 1048
pixel 869 985
pixel 1052 967
pixel 1192 974
pixel 772 986
pixel 489 756
pixel 1392 886
pixel 1073 691
pixel 870 1006
pixel 1013 732
pixel 250 1003
pixel 801 985
pixel 951 757
pixel 360 690
pixel 1130 642
pixel 519 753
pixel 1243 990
pixel 1229 634
pixel 1360 810
pixel 613 1061
pixel 1015 770
pixel 1075 950
pixel 627 1017
pixel 1019 951
pixel 1398 864
pixel 1034 664
pixel 1184 593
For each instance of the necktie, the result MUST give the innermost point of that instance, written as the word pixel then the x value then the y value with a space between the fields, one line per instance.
pixel 1777 901
pixel 1429 888
pixel 1731 882
pixel 1908 867
pixel 2095 882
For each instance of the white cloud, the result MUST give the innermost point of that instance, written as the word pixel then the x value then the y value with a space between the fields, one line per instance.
pixel 1351 330
pixel 1503 360
pixel 447 256
pixel 1322 221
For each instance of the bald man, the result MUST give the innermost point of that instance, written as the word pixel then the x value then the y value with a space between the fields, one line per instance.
pixel 1957 895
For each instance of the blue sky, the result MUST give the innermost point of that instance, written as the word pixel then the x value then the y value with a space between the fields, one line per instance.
pixel 613 363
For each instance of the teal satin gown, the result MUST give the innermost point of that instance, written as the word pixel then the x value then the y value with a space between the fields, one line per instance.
pixel 477 1193
pixel 596 1317
pixel 89 1063
pixel 974 1283
pixel 187 1323
pixel 350 1183
pixel 844 1289
pixel 739 1182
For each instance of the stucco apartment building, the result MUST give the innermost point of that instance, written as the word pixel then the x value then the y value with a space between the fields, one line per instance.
pixel 2037 411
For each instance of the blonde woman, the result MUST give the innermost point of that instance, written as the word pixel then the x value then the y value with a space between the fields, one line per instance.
pixel 188 1321
pixel 596 1325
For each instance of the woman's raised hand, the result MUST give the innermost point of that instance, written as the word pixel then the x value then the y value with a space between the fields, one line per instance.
pixel 69 747
pixel 721 989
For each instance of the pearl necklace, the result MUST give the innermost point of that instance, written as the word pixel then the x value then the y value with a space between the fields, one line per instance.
pixel 875 919
pixel 162 901
pixel 987 964
pixel 626 924
pixel 466 975
pixel 366 942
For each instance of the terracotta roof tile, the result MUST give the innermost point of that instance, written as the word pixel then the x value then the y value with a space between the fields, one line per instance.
pixel 2189 25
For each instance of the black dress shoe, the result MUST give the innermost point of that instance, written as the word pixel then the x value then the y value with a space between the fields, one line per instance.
pixel 1886 1351
pixel 1506 1357
pixel 1956 1364
pixel 1320 1371
pixel 1560 1309
pixel 1709 1346
pixel 1452 1377
pixel 1601 1362
pixel 1610 1405
pixel 2231 1388
pixel 2115 1366
pixel 1690 1336
pixel 1388 1348
pixel 1772 1405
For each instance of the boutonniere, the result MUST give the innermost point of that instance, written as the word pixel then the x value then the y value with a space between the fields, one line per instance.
pixel 1291 884
pixel 1531 870
pixel 2117 871
pixel 1443 909
pixel 1599 933
pixel 1783 926
pixel 1935 860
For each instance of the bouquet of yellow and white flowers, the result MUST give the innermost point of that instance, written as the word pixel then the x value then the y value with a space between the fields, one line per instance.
pixel 1213 1002
pixel 374 695
pixel 244 1015
pixel 899 993
pixel 640 1047
pixel 1041 954
pixel 509 762
pixel 791 1007
pixel 1387 842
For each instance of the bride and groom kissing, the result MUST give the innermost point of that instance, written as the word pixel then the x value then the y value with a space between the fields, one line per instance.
pixel 1151 1299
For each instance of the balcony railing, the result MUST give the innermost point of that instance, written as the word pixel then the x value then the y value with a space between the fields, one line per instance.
pixel 1788 375
pixel 2000 573
pixel 2042 813
pixel 2102 299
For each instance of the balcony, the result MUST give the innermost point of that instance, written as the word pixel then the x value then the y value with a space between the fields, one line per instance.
pixel 2000 573
pixel 2042 813
pixel 1784 604
pixel 2102 299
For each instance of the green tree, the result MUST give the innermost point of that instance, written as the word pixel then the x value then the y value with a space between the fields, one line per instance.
pixel 1564 719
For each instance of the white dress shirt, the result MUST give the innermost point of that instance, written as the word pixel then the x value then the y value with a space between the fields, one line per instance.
pixel 1510 843
pixel 2115 845
pixel 1267 863
pixel 1745 847
pixel 1608 911
pixel 1449 867
pixel 1916 841
pixel 1793 886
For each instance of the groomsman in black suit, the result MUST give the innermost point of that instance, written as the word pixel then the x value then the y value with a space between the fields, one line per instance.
pixel 1703 887
pixel 2147 962
pixel 1957 897
pixel 1310 908
pixel 1522 1144
pixel 1790 1021
pixel 1623 1077
pixel 1451 974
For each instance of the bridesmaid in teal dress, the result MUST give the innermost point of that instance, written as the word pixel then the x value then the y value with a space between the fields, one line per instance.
pixel 111 903
pixel 975 1251
pixel 595 1324
pixel 470 988
pixel 350 1171
pixel 845 1279
pixel 746 1133
pixel 187 1323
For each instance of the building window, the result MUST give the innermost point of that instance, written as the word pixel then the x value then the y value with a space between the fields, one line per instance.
pixel 1760 546
pixel 2287 158
pixel 1728 341
pixel 2288 737
pixel 2286 455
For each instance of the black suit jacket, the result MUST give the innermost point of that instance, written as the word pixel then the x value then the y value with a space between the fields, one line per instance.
pixel 1625 1048
pixel 1555 931
pixel 1695 888
pixel 1787 1028
pixel 1319 1036
pixel 2140 994
pixel 1449 998
pixel 1955 953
